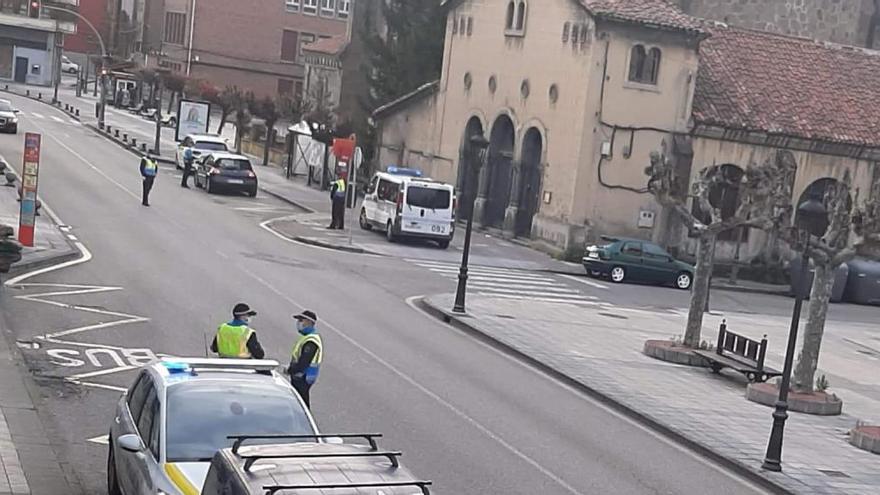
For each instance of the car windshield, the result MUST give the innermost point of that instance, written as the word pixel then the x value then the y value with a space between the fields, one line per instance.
pixel 233 164
pixel 210 146
pixel 5 106
pixel 425 197
pixel 201 416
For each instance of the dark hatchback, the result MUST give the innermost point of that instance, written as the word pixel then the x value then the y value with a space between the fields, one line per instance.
pixel 624 260
pixel 226 172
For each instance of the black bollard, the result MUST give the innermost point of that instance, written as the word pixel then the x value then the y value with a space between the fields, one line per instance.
pixel 28 92
pixel 144 147
pixel 116 134
pixel 76 111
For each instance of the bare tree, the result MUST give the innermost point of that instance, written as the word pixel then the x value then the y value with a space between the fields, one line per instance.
pixel 242 103
pixel 762 200
pixel 853 228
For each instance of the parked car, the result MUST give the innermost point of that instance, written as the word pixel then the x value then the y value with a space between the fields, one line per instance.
pixel 226 171
pixel 200 143
pixel 405 204
pixel 67 66
pixel 180 412
pixel 863 283
pixel 315 467
pixel 625 260
pixel 8 117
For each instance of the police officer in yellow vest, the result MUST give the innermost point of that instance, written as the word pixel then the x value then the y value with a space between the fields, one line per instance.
pixel 306 356
pixel 236 339
pixel 337 203
pixel 149 169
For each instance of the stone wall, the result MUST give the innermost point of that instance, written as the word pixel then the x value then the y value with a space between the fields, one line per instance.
pixel 840 21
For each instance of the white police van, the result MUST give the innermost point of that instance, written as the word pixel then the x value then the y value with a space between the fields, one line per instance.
pixel 405 204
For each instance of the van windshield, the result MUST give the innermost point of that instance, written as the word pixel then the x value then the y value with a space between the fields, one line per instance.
pixel 424 197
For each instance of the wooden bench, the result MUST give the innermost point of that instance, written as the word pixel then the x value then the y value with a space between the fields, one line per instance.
pixel 740 354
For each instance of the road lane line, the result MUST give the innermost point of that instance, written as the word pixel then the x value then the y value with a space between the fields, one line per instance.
pixel 411 302
pixel 38 115
pixel 57 119
pixel 425 390
pixel 99 385
pixel 585 281
pixel 108 371
pixel 265 226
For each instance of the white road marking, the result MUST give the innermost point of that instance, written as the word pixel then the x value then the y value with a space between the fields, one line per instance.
pixel 38 115
pixel 528 286
pixel 100 440
pixel 589 300
pixel 585 281
pixel 265 226
pixel 493 276
pixel 99 385
pixel 595 403
pixel 57 119
pixel 71 237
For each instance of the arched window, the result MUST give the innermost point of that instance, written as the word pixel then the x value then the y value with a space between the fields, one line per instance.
pixel 565 30
pixel 637 63
pixel 652 66
pixel 521 16
pixel 511 15
pixel 574 33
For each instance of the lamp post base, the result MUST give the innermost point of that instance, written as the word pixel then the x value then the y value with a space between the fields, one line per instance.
pixel 773 459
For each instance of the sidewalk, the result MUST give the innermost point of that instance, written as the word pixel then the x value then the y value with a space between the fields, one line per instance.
pixel 599 350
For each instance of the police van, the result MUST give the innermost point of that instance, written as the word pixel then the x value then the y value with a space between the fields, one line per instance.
pixel 404 204
pixel 313 464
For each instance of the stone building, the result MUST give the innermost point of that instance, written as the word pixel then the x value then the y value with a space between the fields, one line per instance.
pixel 575 99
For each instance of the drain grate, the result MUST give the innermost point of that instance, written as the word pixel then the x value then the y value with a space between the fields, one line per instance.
pixel 612 315
pixel 834 474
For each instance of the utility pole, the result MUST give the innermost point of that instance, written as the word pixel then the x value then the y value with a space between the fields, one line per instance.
pixel 56 70
pixel 159 113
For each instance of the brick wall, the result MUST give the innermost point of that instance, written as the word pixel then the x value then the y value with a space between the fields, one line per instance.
pixel 84 40
pixel 840 21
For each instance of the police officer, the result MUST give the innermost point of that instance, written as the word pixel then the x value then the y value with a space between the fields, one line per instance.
pixel 236 339
pixel 306 356
pixel 149 169
pixel 187 164
pixel 337 201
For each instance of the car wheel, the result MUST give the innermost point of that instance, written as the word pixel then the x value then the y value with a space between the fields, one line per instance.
pixel 683 281
pixel 444 244
pixel 252 193
pixel 362 220
pixel 618 274
pixel 389 232
pixel 15 130
pixel 112 479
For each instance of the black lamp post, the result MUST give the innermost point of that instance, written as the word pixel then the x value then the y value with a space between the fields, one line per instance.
pixel 811 220
pixel 477 147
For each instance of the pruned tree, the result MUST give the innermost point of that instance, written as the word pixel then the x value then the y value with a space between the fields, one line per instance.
pixel 853 228
pixel 175 83
pixel 227 100
pixel 762 200
pixel 242 103
pixel 269 110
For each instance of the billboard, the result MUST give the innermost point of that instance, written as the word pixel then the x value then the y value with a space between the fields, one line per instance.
pixel 193 117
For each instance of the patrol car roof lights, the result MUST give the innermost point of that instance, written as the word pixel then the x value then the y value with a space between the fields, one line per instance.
pixel 369 437
pixel 222 364
pixel 411 172
pixel 176 366
pixel 421 485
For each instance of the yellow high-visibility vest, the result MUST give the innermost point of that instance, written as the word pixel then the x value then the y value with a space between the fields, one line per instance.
pixel 232 341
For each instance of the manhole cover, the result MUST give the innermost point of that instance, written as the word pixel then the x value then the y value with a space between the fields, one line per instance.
pixel 834 474
pixel 612 315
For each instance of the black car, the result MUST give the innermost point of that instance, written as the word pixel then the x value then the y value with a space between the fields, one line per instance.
pixel 226 172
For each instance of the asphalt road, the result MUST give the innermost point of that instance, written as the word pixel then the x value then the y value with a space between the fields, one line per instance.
pixel 161 278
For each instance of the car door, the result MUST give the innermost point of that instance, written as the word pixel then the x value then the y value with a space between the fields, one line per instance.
pixel 369 204
pixel 383 192
pixel 127 421
pixel 658 264
pixel 203 165
pixel 144 464
pixel 631 258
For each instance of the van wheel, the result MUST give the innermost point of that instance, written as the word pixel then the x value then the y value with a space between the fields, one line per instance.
pixel 362 220
pixel 444 244
pixel 389 232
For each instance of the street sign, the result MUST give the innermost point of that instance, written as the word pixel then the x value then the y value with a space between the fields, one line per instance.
pixel 30 169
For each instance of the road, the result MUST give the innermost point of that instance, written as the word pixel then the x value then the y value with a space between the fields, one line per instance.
pixel 467 416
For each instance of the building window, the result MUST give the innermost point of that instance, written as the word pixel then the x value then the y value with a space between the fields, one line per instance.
pixel 175 28
pixel 285 87
pixel 470 26
pixel 566 28
pixel 293 5
pixel 516 18
pixel 455 26
pixel 521 16
pixel 305 39
pixel 575 32
pixel 511 15
pixel 328 8
pixel 644 65
pixel 584 32
pixel 310 6
pixel 461 25
pixel 289 45
pixel 344 9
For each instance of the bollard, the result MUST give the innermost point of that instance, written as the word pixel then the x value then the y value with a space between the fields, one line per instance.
pixel 76 111
pixel 143 147
pixel 27 92
pixel 125 136
pixel 39 96
pixel 7 87
pixel 101 126
pixel 116 134
pixel 134 143
pixel 109 129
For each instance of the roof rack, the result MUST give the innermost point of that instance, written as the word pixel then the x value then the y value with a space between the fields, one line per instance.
pixel 423 486
pixel 240 439
pixel 392 456
pixel 223 363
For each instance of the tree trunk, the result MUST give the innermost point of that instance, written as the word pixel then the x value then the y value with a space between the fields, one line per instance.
pixel 700 289
pixel 270 140
pixel 171 102
pixel 808 360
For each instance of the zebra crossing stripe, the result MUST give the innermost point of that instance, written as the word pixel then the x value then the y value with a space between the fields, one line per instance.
pixel 531 285
pixel 513 278
pixel 540 299
pixel 534 293
pixel 443 264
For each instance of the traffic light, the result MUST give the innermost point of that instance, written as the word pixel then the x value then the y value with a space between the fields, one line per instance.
pixel 34 9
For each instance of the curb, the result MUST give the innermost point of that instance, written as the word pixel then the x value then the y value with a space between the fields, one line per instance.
pixel 287 200
pixel 326 245
pixel 756 290
pixel 128 147
pixel 459 322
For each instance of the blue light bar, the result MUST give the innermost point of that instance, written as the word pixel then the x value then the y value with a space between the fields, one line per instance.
pixel 411 172
pixel 176 367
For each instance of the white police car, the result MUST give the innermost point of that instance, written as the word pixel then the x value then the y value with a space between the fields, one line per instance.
pixel 179 413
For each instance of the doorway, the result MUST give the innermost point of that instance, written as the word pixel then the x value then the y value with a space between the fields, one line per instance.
pixel 530 186
pixel 21 69
pixel 500 171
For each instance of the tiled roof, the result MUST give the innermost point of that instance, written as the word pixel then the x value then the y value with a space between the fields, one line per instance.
pixel 764 82
pixel 329 46
pixel 652 13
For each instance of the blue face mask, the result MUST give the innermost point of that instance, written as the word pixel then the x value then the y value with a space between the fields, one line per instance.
pixel 301 326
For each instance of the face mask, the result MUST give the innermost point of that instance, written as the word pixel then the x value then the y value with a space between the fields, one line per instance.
pixel 300 326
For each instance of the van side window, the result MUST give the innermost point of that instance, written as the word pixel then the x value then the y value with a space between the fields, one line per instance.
pixel 372 187
pixel 387 190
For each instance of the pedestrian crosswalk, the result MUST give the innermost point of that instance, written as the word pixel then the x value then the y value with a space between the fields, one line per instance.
pixel 39 116
pixel 507 283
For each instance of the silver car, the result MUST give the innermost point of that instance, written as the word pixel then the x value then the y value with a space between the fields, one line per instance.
pixel 179 412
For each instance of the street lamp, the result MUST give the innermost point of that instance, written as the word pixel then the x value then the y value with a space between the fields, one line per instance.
pixel 477 147
pixel 811 220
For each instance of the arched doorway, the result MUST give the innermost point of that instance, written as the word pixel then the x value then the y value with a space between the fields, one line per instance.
pixel 530 181
pixel 818 189
pixel 463 179
pixel 500 171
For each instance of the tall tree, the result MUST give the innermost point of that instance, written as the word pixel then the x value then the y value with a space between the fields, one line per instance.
pixel 227 100
pixel 175 83
pixel 408 53
pixel 242 103
pixel 853 228
pixel 763 201
pixel 268 109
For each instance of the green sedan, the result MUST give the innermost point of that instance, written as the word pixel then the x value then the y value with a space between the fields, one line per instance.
pixel 625 260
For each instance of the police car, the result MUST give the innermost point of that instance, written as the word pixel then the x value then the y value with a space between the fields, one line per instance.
pixel 310 468
pixel 200 144
pixel 180 412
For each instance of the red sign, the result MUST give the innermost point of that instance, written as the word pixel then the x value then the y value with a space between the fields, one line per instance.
pixel 30 171
pixel 343 150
